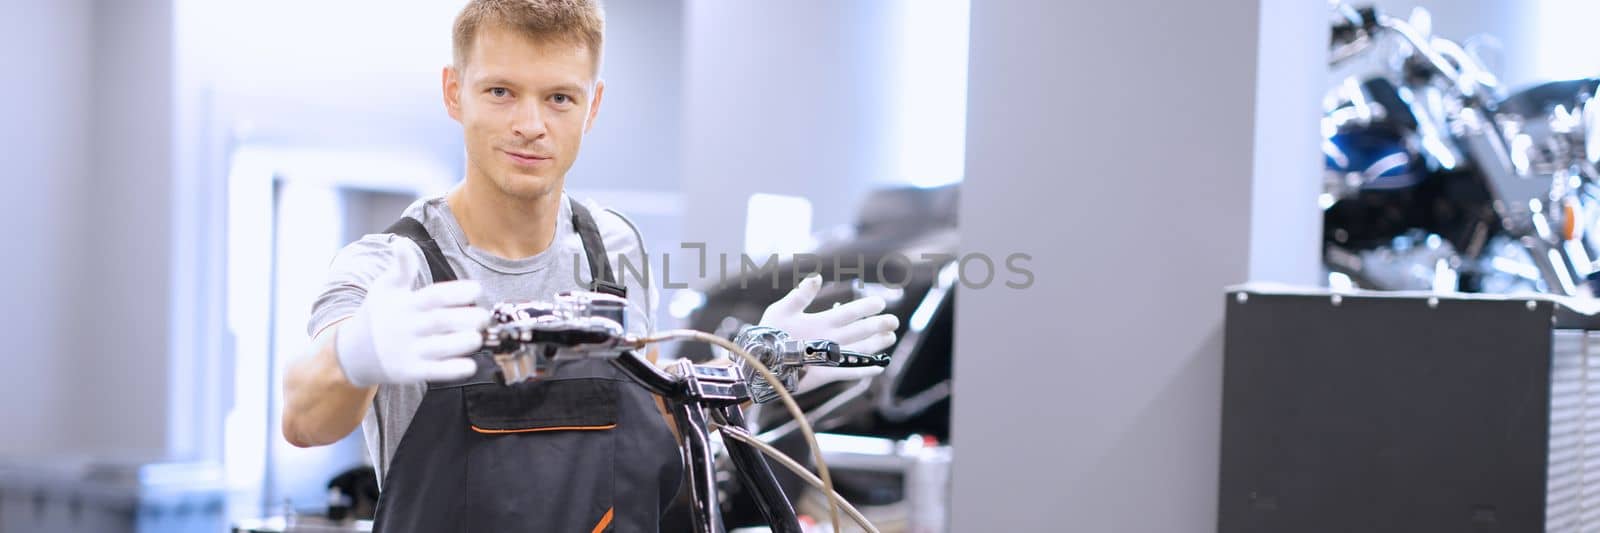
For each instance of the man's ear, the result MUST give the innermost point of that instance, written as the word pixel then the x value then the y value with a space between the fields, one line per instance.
pixel 451 84
pixel 594 109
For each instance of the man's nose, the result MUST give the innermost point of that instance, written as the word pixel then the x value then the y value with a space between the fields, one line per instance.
pixel 528 121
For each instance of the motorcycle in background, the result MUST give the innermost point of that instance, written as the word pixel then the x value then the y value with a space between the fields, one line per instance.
pixel 1434 181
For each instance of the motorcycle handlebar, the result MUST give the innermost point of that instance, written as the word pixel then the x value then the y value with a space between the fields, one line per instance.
pixel 524 338
pixel 1358 27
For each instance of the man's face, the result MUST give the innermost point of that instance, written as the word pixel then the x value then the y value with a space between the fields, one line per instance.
pixel 524 107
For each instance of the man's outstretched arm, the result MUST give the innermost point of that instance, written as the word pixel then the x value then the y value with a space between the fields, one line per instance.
pixel 320 405
pixel 397 335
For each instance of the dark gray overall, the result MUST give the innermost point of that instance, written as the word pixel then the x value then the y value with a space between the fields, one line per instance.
pixel 583 449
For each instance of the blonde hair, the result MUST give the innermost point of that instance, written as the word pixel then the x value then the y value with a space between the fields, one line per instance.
pixel 577 22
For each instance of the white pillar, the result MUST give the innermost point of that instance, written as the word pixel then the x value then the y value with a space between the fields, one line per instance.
pixel 1113 141
pixel 120 380
pixel 1285 222
pixel 46 47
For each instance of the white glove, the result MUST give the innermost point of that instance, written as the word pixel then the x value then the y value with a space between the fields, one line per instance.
pixel 404 336
pixel 856 326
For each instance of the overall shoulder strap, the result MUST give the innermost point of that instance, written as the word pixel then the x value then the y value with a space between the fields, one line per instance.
pixel 595 249
pixel 412 229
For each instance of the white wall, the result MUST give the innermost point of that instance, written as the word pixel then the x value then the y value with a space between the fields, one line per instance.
pixel 1562 29
pixel 635 142
pixel 1113 142
pixel 632 160
pixel 786 97
pixel 43 91
pixel 333 81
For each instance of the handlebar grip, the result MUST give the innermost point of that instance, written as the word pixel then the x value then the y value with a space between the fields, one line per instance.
pixel 1345 33
pixel 1368 16
pixel 1353 24
pixel 849 359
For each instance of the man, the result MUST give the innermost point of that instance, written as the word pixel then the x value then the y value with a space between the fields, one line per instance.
pixel 396 329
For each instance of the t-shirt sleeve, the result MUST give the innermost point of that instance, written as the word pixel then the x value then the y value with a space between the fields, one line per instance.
pixel 353 269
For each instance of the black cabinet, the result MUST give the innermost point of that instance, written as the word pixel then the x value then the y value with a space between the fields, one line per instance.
pixel 1374 413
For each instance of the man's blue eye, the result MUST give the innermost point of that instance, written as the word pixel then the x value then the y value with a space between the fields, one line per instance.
pixel 562 98
pixel 499 92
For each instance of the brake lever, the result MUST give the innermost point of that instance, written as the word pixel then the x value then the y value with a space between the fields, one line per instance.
pixel 787 358
pixel 849 359
pixel 828 353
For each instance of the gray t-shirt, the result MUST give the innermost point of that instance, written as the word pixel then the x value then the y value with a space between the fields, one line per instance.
pixel 531 278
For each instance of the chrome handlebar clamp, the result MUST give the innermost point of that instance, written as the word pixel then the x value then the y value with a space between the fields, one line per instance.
pixel 525 337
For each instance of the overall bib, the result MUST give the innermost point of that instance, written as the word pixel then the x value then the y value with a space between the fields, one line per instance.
pixel 582 449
